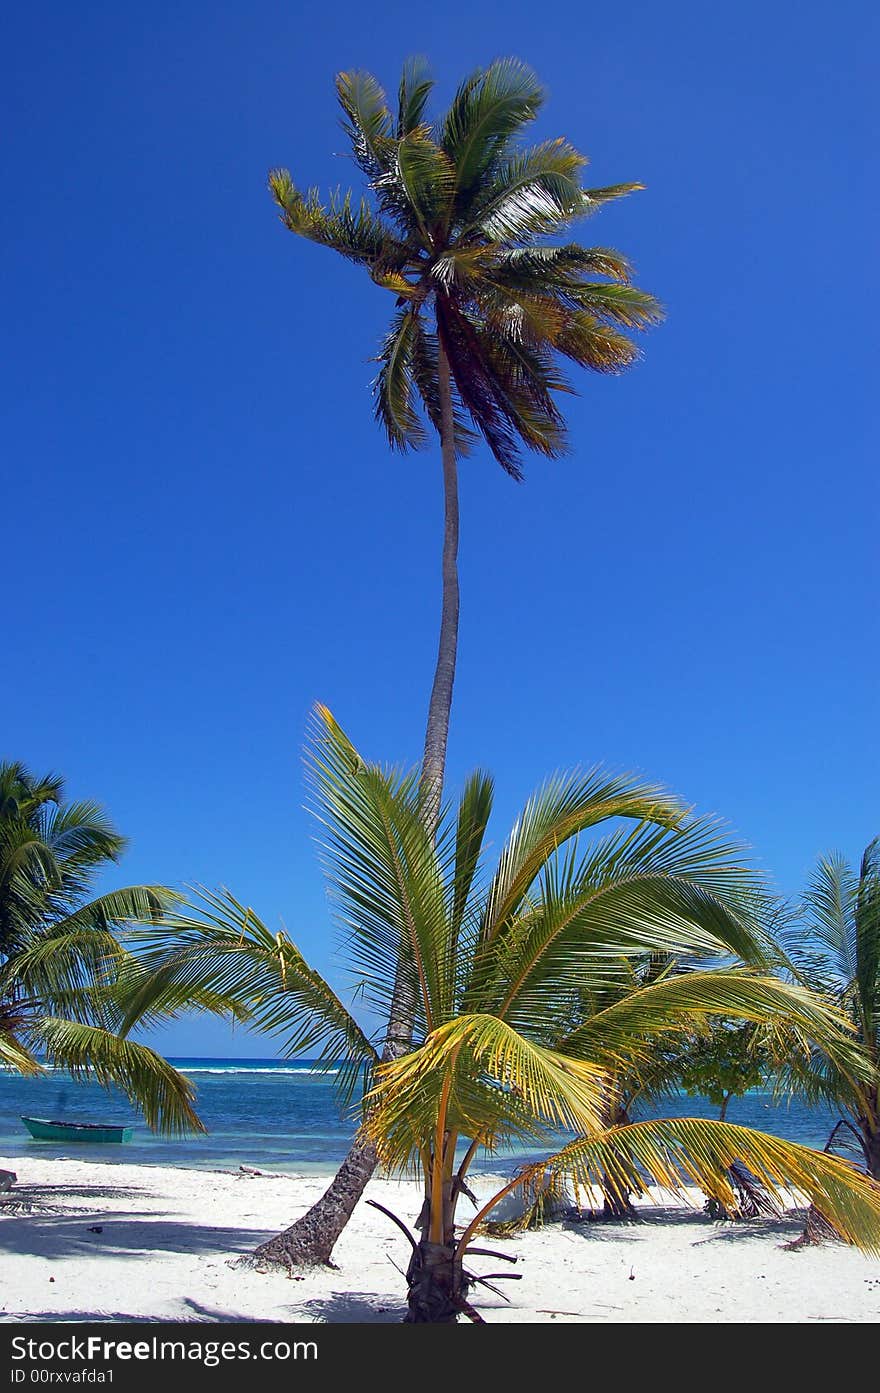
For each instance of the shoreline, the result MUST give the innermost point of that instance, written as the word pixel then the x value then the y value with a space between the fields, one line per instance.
pixel 109 1241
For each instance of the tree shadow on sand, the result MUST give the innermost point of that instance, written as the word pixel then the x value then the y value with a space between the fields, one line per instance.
pixel 676 1216
pixel 131 1234
pixel 352 1308
pixel 201 1315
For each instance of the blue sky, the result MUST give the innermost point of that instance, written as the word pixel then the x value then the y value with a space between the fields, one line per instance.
pixel 207 533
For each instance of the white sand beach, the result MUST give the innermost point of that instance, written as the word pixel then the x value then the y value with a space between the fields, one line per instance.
pixel 133 1242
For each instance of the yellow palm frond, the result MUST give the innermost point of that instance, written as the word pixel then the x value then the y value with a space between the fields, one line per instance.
pixel 677 1152
pixel 478 1075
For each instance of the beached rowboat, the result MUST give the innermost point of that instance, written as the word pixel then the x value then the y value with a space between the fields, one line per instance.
pixel 43 1130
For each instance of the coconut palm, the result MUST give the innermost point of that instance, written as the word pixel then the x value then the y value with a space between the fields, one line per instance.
pixel 458 225
pixel 836 946
pixel 455 228
pixel 600 873
pixel 60 951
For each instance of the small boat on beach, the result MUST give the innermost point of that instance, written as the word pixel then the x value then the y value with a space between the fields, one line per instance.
pixel 41 1129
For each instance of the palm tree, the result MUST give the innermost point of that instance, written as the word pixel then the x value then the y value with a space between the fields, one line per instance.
pixel 60 953
pixel 508 966
pixel 456 226
pixel 837 949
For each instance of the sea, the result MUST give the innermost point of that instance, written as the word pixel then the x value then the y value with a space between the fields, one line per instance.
pixel 285 1116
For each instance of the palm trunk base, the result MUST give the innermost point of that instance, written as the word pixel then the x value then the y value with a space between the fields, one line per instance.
pixel 311 1240
pixel 437 1285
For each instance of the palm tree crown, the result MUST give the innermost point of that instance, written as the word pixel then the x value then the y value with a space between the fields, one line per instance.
pixel 60 953
pixel 456 230
pixel 836 946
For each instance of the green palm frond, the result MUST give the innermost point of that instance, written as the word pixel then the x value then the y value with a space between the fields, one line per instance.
pixel 676 1152
pixel 836 945
pixel 395 386
pixel 416 85
pixel 63 963
pixel 830 899
pixel 543 270
pixel 220 956
pixel 625 1032
pixel 532 194
pixel 563 807
pixel 424 366
pixel 368 121
pixel 427 179
pixel 451 225
pixel 594 345
pixel 682 891
pixel 164 1096
pixel 867 939
pixel 385 871
pixel 60 953
pixel 490 107
pixel 474 811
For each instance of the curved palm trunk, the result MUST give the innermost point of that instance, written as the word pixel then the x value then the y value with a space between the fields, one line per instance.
pixel 310 1241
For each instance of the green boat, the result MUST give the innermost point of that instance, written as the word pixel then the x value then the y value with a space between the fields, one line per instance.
pixel 43 1130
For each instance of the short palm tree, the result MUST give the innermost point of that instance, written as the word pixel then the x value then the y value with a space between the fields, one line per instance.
pixel 836 946
pixel 60 951
pixel 467 228
pixel 505 970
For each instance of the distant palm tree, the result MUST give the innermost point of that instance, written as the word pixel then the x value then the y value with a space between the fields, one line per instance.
pixel 456 229
pixel 60 953
pixel 527 1006
pixel 837 947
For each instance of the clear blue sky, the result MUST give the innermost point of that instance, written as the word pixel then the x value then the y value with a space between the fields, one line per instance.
pixel 205 532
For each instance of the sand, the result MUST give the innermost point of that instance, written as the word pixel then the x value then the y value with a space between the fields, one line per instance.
pixel 167 1237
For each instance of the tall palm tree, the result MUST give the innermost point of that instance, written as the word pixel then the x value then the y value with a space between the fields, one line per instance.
pixel 60 953
pixel 836 945
pixel 509 965
pixel 455 225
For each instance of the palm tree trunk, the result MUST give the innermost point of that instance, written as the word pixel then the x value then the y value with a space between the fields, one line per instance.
pixel 311 1240
pixel 437 1285
pixel 440 705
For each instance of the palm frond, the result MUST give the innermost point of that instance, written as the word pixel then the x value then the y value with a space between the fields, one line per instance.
pixel 220 956
pixel 490 106
pixel 531 194
pixel 626 1031
pixel 368 122
pixel 677 1152
pixel 383 870
pixel 164 1096
pixel 867 940
pixel 15 1055
pixel 427 179
pixel 353 231
pixel 830 900
pixel 395 385
pixel 593 199
pixel 564 806
pixel 404 1103
pixel 416 85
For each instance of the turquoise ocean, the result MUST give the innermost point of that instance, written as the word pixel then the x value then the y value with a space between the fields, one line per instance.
pixel 283 1115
